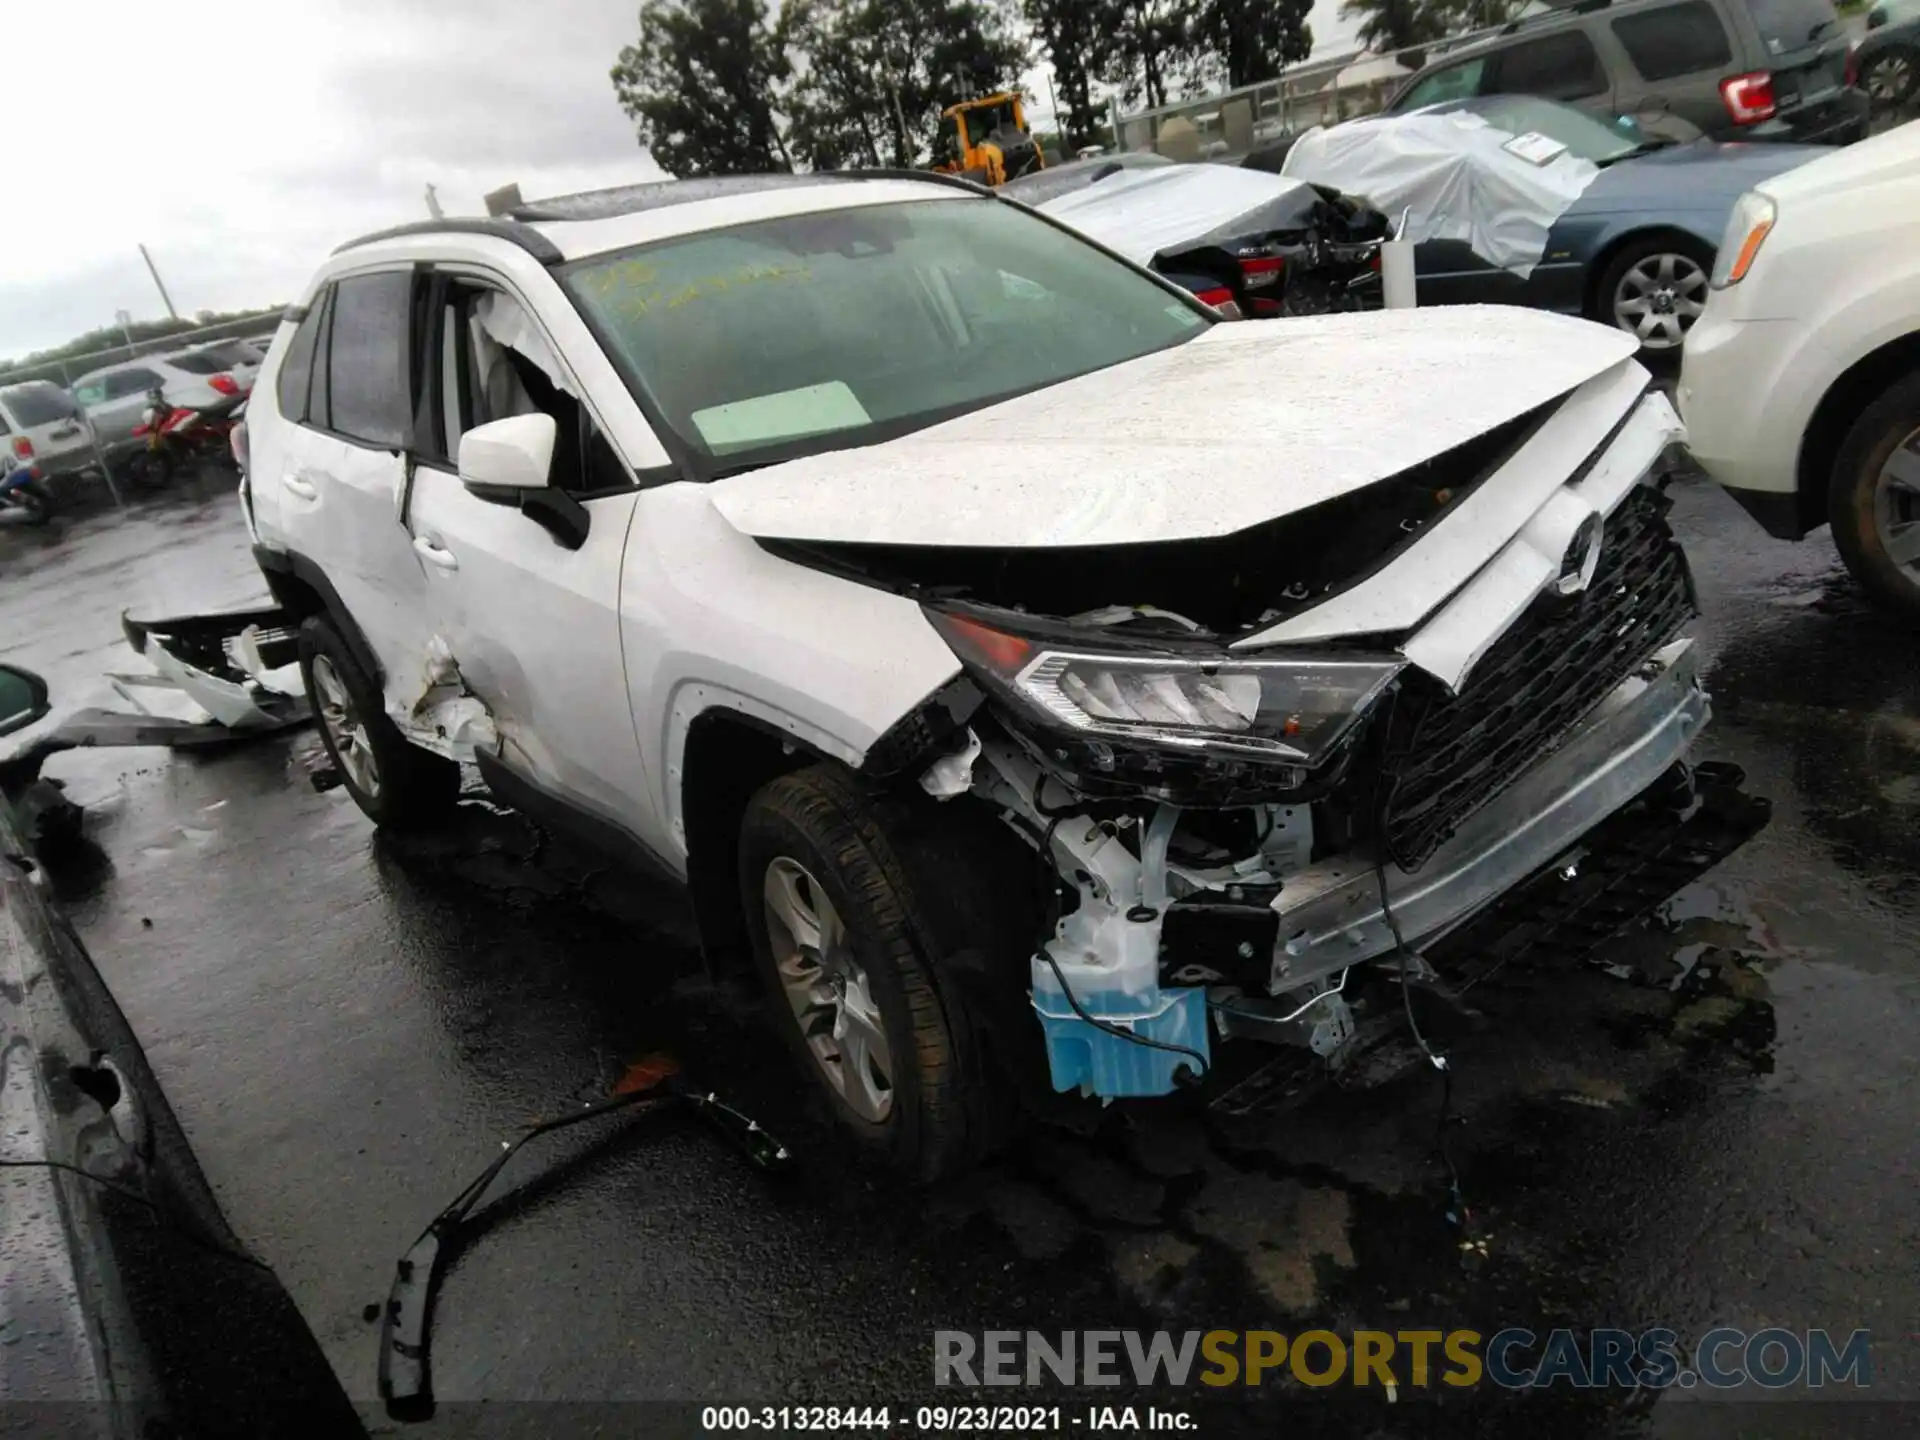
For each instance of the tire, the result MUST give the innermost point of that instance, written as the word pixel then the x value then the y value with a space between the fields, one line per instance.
pixel 36 505
pixel 151 469
pixel 1637 272
pixel 1874 499
pixel 1890 79
pixel 908 953
pixel 396 784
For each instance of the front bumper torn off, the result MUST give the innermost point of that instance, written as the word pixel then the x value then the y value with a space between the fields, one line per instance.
pixel 1330 913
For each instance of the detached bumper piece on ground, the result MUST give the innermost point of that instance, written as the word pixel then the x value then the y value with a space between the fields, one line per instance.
pixel 653 1087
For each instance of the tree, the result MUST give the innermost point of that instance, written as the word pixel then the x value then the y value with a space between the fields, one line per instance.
pixel 1387 25
pixel 1153 48
pixel 1257 38
pixel 1070 34
pixel 877 74
pixel 701 85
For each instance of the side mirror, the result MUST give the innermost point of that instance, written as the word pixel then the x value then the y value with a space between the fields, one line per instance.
pixel 23 699
pixel 511 454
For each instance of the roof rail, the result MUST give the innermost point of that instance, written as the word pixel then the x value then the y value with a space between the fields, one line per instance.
pixel 657 194
pixel 510 230
pixel 1558 12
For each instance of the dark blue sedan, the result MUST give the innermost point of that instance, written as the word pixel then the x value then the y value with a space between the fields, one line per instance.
pixel 1637 248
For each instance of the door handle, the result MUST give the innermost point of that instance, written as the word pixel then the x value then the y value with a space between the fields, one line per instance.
pixel 299 485
pixel 431 552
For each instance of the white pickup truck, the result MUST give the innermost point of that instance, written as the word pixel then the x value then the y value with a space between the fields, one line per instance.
pixel 1039 679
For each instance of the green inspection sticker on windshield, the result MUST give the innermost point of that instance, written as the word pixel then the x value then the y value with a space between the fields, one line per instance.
pixel 786 415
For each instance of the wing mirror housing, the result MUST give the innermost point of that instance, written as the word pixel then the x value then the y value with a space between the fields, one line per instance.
pixel 511 454
pixel 510 462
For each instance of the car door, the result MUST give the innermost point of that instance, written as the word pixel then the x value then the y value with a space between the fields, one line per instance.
pixel 533 624
pixel 341 475
pixel 123 403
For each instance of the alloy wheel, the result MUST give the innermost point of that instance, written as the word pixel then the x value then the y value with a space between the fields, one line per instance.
pixel 1887 80
pixel 1896 506
pixel 345 728
pixel 1658 300
pixel 830 994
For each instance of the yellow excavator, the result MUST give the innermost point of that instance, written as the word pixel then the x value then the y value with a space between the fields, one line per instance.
pixel 987 140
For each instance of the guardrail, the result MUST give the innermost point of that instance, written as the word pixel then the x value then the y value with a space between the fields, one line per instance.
pixel 65 371
pixel 1234 123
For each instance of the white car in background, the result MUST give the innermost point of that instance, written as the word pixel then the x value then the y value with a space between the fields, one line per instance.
pixel 41 426
pixel 1801 382
pixel 237 358
pixel 115 397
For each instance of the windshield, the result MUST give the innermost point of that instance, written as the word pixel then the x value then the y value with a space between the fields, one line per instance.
pixel 1789 25
pixel 983 120
pixel 817 332
pixel 1585 137
pixel 38 403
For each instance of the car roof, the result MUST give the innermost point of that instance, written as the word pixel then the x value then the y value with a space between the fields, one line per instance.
pixel 569 227
pixel 10 385
pixel 139 362
pixel 1528 26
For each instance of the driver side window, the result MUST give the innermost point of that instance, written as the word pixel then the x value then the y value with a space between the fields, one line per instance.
pixel 1456 82
pixel 492 362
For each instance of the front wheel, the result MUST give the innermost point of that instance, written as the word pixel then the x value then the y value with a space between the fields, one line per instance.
pixel 1890 79
pixel 849 949
pixel 1655 289
pixel 1874 503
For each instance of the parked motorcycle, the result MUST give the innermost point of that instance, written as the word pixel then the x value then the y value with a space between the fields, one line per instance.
pixel 175 436
pixel 23 498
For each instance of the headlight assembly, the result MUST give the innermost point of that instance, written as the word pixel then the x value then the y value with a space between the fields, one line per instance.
pixel 1287 709
pixel 1747 230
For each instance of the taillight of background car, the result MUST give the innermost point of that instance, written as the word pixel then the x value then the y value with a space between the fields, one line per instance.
pixel 1749 97
pixel 1853 63
pixel 224 383
pixel 23 447
pixel 1221 299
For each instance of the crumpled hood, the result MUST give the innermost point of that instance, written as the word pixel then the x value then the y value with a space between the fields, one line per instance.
pixel 1142 213
pixel 1245 423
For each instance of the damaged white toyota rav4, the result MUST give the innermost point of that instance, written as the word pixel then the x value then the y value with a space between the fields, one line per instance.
pixel 1040 680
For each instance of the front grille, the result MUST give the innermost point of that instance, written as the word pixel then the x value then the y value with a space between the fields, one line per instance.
pixel 1447 756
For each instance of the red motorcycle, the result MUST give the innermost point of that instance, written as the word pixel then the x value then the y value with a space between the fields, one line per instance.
pixel 174 436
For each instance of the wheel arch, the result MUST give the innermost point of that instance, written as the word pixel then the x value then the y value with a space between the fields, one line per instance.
pixel 1610 251
pixel 727 757
pixel 301 588
pixel 1826 431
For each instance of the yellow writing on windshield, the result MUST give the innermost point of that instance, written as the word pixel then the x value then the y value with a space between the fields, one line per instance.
pixel 634 289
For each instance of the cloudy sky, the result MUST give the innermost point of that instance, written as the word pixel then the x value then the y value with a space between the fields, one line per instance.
pixel 241 151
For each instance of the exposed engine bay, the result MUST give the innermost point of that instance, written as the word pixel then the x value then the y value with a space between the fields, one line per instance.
pixel 1231 826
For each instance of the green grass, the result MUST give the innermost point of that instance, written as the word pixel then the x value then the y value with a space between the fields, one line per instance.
pixel 1850 7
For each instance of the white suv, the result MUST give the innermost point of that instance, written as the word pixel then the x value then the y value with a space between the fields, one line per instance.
pixel 1039 679
pixel 1801 382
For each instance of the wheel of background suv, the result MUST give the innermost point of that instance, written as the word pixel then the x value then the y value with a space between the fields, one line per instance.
pixel 842 943
pixel 150 469
pixel 398 785
pixel 1875 500
pixel 1655 289
pixel 36 505
pixel 1890 79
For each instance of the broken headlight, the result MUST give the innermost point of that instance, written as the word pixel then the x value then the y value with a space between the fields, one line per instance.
pixel 1290 709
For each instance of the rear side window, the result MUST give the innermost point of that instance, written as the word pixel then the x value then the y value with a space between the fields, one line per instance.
pixel 123 383
pixel 367 370
pixel 43 404
pixel 1560 67
pixel 196 364
pixel 1679 40
pixel 1456 82
pixel 296 371
pixel 1789 25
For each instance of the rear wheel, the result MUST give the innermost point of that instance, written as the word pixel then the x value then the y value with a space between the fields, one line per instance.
pixel 36 505
pixel 1874 503
pixel 1655 289
pixel 858 956
pixel 151 469
pixel 398 785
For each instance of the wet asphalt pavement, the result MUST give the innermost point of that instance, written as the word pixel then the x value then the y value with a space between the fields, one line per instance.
pixel 347 1028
